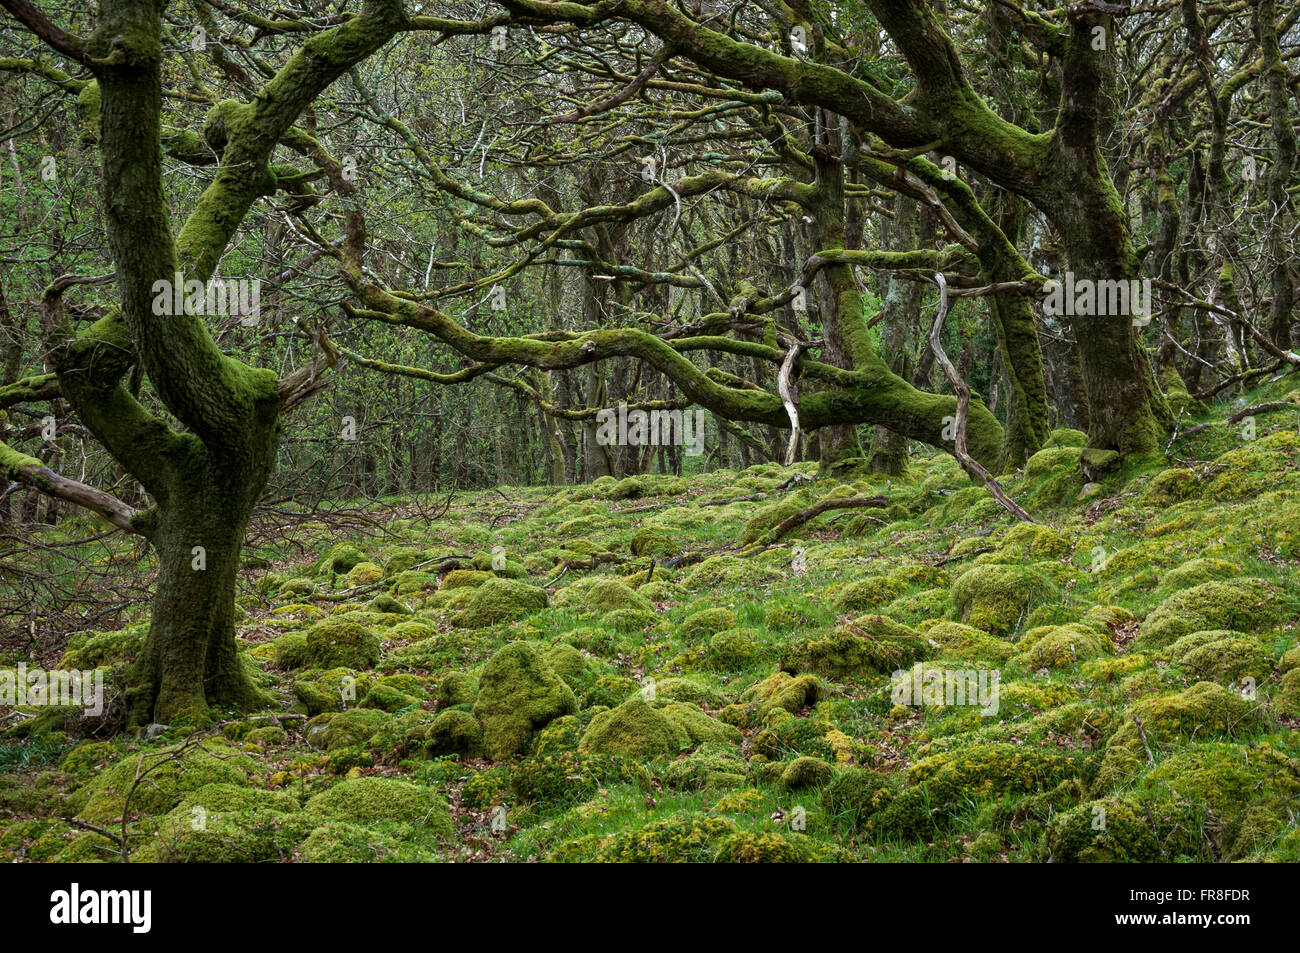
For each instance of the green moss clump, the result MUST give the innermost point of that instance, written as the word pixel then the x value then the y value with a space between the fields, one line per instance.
pixel 518 694
pixel 699 626
pixel 714 765
pixel 291 651
pixel 785 692
pixel 986 770
pixel 1196 571
pixel 455 732
pixel 1223 656
pixel 870 593
pixel 1171 486
pixel 1286 697
pixel 767 518
pixel 652 541
pixel 997 597
pixel 634 729
pixel 697 723
pixel 1060 646
pixel 869 645
pixel 855 794
pixel 373 800
pixel 563 734
pixel 103 799
pixel 685 690
pixel 733 649
pixel 501 600
pixel 465 579
pixel 1244 605
pixel 806 772
pixel 336 644
pixel 341 559
pixel 606 595
pixel 764 847
pixel 1139 828
pixel 957 641
pixel 457 688
pixel 345 729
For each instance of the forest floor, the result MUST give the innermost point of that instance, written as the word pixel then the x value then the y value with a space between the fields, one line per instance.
pixel 638 670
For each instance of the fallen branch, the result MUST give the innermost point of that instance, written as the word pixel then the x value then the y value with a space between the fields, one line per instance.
pixel 824 506
pixel 968 463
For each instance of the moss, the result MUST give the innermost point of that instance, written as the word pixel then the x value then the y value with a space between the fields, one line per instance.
pixel 566 777
pixel 1051 460
pixel 985 770
pixel 1060 646
pixel 372 800
pixel 225 798
pixel 364 574
pixel 1223 656
pixel 699 626
pixel 1227 777
pixel 630 620
pixel 653 541
pixel 607 595
pixel 697 723
pixel 387 604
pixel 785 692
pixel 1286 697
pixel 733 649
pixel 344 729
pixel 870 593
pixel 336 644
pixel 806 772
pixel 767 518
pixel 610 690
pixel 957 641
pixel 634 729
pixel 693 838
pixel 997 598
pixel 322 691
pixel 338 842
pixel 792 738
pixel 1171 486
pixel 685 690
pixel 1206 710
pixel 563 734
pixel 764 847
pixel 457 688
pixel 501 600
pixel 1196 571
pixel 920 606
pixel 576 669
pixel 92 650
pixel 465 579
pixel 866 646
pixel 714 765
pixel 518 694
pixel 1033 541
pixel 249 836
pixel 341 559
pixel 853 795
pixel 291 651
pixel 1140 828
pixel 456 732
pixel 1245 605
pixel 103 799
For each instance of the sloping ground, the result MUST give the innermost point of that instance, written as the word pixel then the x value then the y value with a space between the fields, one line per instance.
pixel 514 681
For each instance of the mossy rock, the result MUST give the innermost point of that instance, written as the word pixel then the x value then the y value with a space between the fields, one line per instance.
pixel 501 600
pixel 341 559
pixel 465 579
pixel 364 574
pixel 291 651
pixel 871 645
pixel 714 765
pixel 853 795
pixel 653 541
pixel 103 799
pixel 987 770
pixel 765 847
pixel 997 597
pixel 329 690
pixel 1060 646
pixel 870 593
pixel 1223 656
pixel 958 641
pixel 387 604
pixel 806 772
pixel 344 729
pixel 1286 697
pixel 338 644
pixel 518 694
pixel 374 800
pixel 784 691
pixel 606 595
pixel 699 726
pixel 1141 827
pixel 635 729
pixel 697 628
pixel 769 517
pixel 91 650
pixel 457 688
pixel 685 690
pixel 733 649
pixel 249 836
pixel 456 732
pixel 1171 486
pixel 1196 571
pixel 1244 605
